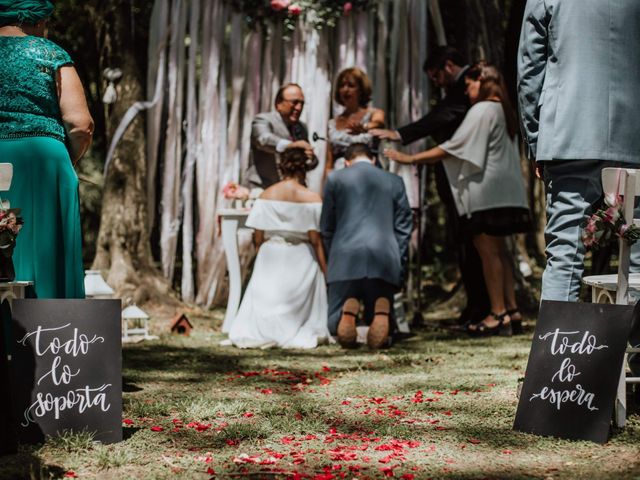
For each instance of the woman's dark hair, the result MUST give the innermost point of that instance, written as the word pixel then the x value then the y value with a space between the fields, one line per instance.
pixel 492 85
pixel 294 163
pixel 361 79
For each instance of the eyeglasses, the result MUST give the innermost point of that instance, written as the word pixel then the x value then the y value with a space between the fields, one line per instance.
pixel 295 103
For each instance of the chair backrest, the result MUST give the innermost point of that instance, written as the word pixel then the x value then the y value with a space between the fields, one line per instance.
pixel 619 181
pixel 6 174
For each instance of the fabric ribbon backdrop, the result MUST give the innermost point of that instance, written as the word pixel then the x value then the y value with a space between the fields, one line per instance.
pixel 216 74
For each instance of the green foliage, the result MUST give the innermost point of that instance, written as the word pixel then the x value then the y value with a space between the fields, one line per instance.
pixel 73 441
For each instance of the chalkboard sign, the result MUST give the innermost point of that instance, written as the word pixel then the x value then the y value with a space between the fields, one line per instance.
pixel 573 370
pixel 66 368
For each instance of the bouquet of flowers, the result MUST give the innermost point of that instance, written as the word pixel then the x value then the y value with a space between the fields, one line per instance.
pixel 607 223
pixel 233 191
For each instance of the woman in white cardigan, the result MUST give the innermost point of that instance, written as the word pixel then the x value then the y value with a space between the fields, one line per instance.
pixel 482 161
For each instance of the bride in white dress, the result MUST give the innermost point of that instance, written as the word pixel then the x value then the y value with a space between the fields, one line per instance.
pixel 285 303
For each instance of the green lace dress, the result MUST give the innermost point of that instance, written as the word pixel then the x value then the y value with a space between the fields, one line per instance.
pixel 44 185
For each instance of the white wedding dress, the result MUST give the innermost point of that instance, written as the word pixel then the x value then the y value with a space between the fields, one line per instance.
pixel 285 303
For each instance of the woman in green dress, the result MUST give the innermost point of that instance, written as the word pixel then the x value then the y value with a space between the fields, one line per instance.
pixel 45 127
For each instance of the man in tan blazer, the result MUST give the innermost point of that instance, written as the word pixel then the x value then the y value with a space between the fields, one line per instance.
pixel 273 132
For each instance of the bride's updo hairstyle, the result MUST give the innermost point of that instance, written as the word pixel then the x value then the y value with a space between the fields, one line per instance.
pixel 492 84
pixel 294 163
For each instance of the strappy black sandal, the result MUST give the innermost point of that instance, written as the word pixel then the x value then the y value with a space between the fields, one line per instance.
pixel 501 328
pixel 516 323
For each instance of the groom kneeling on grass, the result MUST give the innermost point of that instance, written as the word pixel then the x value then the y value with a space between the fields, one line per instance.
pixel 366 222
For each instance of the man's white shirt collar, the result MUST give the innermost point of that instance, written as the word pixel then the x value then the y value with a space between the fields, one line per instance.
pixel 361 159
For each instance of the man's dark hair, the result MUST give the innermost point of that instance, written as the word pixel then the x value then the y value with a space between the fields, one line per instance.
pixel 439 57
pixel 280 92
pixel 358 150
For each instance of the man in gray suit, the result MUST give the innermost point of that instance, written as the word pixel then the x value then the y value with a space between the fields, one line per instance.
pixel 273 132
pixel 579 96
pixel 366 223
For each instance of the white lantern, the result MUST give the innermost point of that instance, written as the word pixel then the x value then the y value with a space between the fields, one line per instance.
pixel 135 322
pixel 95 286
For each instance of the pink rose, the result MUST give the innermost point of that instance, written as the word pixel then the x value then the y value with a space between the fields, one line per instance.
pixel 229 190
pixel 295 9
pixel 591 226
pixel 612 214
pixel 623 229
pixel 588 241
pixel 347 7
pixel 278 5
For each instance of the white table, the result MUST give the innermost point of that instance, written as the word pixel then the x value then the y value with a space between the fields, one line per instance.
pixel 231 220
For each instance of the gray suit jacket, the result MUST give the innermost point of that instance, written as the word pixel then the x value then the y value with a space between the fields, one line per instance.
pixel 579 79
pixel 366 224
pixel 267 129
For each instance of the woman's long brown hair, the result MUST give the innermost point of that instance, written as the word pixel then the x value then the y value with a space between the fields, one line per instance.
pixel 492 85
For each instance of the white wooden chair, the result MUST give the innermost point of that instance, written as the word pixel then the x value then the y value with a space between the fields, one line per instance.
pixel 624 286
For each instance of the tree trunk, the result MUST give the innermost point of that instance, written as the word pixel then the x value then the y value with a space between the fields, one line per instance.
pixel 123 246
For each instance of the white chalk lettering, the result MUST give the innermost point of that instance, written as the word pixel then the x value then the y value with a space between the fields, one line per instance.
pixel 557 397
pixel 81 399
pixel 77 344
pixel 64 377
pixel 566 373
pixel 560 343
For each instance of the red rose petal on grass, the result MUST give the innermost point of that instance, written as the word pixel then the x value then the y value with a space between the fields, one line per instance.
pixel 247 414
pixel 408 476
pixel 211 471
pixel 346 402
pixel 325 368
pixel 70 474
pixel 475 441
pixel 388 471
pixel 507 452
pixel 266 391
pixel 156 429
pixel 447 413
pixel 440 428
pixel 231 443
pixel 127 421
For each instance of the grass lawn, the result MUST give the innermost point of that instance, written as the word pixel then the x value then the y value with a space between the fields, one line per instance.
pixel 437 405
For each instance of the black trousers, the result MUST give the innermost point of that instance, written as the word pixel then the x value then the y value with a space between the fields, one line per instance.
pixel 469 261
pixel 367 290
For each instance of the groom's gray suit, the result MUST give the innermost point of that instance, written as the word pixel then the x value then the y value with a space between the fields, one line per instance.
pixel 366 224
pixel 267 131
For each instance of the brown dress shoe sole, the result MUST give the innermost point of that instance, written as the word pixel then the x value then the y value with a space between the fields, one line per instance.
pixel 347 332
pixel 378 333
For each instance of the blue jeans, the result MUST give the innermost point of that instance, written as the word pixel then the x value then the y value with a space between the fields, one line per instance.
pixel 573 188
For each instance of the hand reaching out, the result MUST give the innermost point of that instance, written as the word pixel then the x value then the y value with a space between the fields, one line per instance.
pixel 385 134
pixel 397 156
pixel 306 146
pixel 355 128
